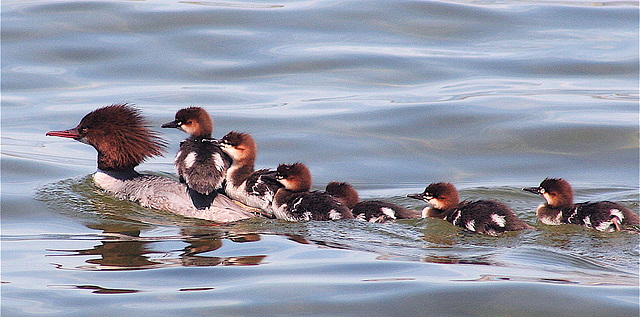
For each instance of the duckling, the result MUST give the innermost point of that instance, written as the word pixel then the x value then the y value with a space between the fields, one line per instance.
pixel 481 216
pixel 200 162
pixel 560 209
pixel 295 201
pixel 243 183
pixel 371 210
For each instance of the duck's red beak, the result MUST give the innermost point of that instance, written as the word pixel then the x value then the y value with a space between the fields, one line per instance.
pixel 71 133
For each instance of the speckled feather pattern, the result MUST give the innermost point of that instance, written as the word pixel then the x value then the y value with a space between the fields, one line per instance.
pixel 258 190
pixel 596 215
pixel 484 216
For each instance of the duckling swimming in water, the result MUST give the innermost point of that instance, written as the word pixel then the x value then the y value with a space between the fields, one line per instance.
pixel 560 209
pixel 482 216
pixel 295 201
pixel 370 210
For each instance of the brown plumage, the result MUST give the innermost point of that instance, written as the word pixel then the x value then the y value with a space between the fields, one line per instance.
pixel 295 177
pixel 123 139
pixel 120 134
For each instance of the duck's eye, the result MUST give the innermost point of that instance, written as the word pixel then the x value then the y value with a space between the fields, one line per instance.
pixel 83 130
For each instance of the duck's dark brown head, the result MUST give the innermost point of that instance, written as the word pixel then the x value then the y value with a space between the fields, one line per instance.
pixel 120 134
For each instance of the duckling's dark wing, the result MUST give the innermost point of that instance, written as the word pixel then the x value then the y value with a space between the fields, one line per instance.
pixel 315 205
pixel 600 215
pixel 202 165
pixel 489 217
pixel 381 211
pixel 263 183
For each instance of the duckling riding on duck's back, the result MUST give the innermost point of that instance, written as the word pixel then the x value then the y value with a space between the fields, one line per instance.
pixel 200 162
pixel 243 183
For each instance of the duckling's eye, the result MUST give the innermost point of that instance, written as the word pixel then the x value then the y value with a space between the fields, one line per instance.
pixel 83 130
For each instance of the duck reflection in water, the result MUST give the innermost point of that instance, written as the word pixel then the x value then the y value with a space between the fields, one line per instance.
pixel 123 248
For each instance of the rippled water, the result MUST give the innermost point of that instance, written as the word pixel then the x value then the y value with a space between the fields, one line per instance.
pixel 387 95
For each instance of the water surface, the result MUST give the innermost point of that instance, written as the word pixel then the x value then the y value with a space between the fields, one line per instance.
pixel 387 95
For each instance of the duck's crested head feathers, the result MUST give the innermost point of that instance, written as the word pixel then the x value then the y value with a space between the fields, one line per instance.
pixel 294 177
pixel 120 134
pixel 344 192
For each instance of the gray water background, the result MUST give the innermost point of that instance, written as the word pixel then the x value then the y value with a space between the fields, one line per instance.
pixel 387 95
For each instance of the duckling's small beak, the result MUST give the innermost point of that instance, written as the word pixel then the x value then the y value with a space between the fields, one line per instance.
pixel 416 196
pixel 172 124
pixel 535 190
pixel 71 133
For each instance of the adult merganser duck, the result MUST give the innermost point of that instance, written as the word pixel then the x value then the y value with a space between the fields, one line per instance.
pixel 294 202
pixel 482 216
pixel 200 163
pixel 123 140
pixel 371 210
pixel 244 184
pixel 560 209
